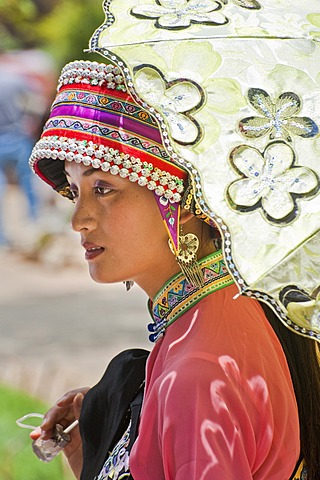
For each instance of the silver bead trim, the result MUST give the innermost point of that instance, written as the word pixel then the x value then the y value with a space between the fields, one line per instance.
pixel 92 73
pixel 109 160
pixel 280 313
pixel 109 20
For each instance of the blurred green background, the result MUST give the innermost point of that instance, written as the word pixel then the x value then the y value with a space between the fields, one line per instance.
pixel 60 27
pixel 16 458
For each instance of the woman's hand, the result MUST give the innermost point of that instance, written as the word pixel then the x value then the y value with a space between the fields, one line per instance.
pixel 66 410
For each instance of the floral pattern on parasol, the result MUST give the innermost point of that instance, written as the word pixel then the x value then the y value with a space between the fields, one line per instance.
pixel 249 4
pixel 278 119
pixel 181 14
pixel 271 181
pixel 175 100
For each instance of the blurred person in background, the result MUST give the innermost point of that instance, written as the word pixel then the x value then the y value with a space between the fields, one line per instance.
pixel 15 143
pixel 25 84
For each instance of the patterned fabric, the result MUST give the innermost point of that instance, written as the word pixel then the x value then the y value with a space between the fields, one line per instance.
pixel 178 295
pixel 113 102
pixel 99 113
pixel 116 466
pixel 106 118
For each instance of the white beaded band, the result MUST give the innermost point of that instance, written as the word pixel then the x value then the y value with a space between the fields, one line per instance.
pixel 107 159
pixel 92 73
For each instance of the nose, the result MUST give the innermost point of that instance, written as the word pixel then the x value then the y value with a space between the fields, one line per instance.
pixel 82 218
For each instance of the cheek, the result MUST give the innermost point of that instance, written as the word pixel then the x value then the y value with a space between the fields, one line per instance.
pixel 134 222
pixel 147 229
pixel 153 233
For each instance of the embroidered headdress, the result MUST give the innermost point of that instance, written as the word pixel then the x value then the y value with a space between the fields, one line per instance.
pixel 234 88
pixel 95 121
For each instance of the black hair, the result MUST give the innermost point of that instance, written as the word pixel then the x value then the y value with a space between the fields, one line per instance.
pixel 303 360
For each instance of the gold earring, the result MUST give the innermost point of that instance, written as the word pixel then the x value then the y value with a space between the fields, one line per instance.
pixel 187 258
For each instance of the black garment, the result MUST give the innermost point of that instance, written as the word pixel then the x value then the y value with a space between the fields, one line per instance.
pixel 107 408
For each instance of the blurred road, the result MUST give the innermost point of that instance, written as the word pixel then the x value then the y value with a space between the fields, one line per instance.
pixel 59 329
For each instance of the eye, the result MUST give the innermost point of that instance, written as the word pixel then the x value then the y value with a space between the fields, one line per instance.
pixel 100 191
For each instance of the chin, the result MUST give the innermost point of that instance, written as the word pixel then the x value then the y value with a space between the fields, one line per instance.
pixel 96 276
pixel 101 277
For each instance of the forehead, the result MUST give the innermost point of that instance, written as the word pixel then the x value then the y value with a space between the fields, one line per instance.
pixel 79 171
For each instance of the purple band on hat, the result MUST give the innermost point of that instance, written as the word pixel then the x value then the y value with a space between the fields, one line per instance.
pixel 107 118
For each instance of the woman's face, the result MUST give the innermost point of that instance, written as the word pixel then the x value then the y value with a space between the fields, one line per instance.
pixel 121 229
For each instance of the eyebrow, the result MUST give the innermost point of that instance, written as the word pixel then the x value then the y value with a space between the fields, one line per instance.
pixel 86 173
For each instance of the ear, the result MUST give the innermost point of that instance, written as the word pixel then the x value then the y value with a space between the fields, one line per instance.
pixel 185 216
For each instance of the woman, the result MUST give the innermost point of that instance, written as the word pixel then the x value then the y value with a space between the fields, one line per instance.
pixel 212 406
pixel 226 391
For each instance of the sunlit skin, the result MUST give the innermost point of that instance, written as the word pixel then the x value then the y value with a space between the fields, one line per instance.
pixel 124 219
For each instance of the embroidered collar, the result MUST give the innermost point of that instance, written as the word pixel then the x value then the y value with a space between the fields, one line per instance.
pixel 178 295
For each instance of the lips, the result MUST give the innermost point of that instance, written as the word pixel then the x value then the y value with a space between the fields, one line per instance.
pixel 92 250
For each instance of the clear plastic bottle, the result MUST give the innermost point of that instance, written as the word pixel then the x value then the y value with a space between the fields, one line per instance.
pixel 47 450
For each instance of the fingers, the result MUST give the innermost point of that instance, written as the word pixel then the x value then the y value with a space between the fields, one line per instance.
pixel 77 404
pixel 35 434
pixel 68 397
pixel 56 414
pixel 65 411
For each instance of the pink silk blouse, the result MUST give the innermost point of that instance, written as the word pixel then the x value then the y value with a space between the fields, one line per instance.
pixel 219 402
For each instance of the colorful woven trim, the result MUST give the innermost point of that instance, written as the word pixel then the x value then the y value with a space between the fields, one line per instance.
pixel 178 296
pixel 94 121
pixel 88 111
